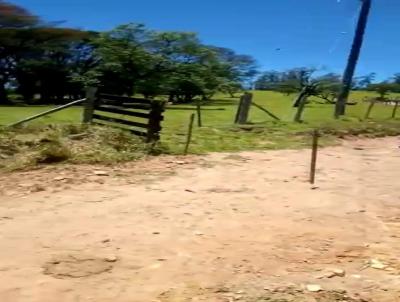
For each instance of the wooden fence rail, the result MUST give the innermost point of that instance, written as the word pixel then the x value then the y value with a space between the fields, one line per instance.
pixel 59 108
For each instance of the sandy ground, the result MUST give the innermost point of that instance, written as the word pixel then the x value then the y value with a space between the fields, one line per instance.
pixel 224 227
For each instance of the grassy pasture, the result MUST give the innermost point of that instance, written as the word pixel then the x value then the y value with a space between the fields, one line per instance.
pixel 219 133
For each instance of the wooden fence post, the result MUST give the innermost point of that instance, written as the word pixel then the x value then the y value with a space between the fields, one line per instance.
pixel 155 118
pixel 189 134
pixel 89 105
pixel 395 109
pixel 314 156
pixel 198 108
pixel 238 110
pixel 369 110
pixel 244 108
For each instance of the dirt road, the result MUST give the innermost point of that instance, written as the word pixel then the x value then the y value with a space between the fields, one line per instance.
pixel 224 227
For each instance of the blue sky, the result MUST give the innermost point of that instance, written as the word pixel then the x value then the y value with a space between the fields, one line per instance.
pixel 308 32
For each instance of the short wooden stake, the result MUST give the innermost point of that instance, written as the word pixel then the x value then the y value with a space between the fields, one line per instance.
pixel 369 110
pixel 314 156
pixel 189 134
pixel 198 108
pixel 395 109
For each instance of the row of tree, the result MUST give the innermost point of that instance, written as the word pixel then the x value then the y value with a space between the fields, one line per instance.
pixel 325 86
pixel 46 63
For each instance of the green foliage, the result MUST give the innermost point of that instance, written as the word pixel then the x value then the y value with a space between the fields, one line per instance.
pixel 58 63
pixel 384 88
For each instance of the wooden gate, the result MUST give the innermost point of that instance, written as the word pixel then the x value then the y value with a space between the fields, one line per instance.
pixel 141 117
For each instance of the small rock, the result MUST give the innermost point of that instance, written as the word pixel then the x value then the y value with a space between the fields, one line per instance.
pixel 314 188
pixel 37 188
pixel 59 178
pixel 101 173
pixel 156 233
pixel 326 275
pixel 376 264
pixel 106 240
pixel 197 233
pixel 339 272
pixel 180 162
pixel 313 287
pixel 6 217
pixel 111 258
pixel 356 276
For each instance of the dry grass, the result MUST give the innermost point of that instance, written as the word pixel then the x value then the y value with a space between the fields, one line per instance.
pixel 34 145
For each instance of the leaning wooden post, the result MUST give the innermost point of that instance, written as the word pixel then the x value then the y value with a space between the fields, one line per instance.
pixel 189 134
pixel 395 109
pixel 314 156
pixel 238 110
pixel 244 108
pixel 198 109
pixel 89 105
pixel 34 117
pixel 369 110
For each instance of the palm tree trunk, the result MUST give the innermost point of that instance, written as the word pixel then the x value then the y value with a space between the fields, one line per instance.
pixel 353 59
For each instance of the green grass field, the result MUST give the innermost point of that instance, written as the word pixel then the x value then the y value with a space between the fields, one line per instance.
pixel 219 133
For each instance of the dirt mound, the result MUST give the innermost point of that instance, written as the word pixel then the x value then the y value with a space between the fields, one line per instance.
pixel 77 266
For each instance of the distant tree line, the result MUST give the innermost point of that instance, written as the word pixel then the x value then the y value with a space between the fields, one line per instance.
pixel 324 86
pixel 45 63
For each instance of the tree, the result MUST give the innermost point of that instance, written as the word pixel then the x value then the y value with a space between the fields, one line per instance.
pixel 268 80
pixel 396 78
pixel 48 65
pixel 383 89
pixel 231 88
pixel 364 81
pixel 353 59
pixel 35 57
pixel 295 80
pixel 328 87
pixel 133 59
pixel 13 16
pixel 15 22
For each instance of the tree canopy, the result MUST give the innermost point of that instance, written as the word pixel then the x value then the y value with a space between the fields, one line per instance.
pixel 55 63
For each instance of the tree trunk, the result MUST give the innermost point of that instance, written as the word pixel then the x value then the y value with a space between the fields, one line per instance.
pixel 353 59
pixel 300 97
pixel 300 108
pixel 3 94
